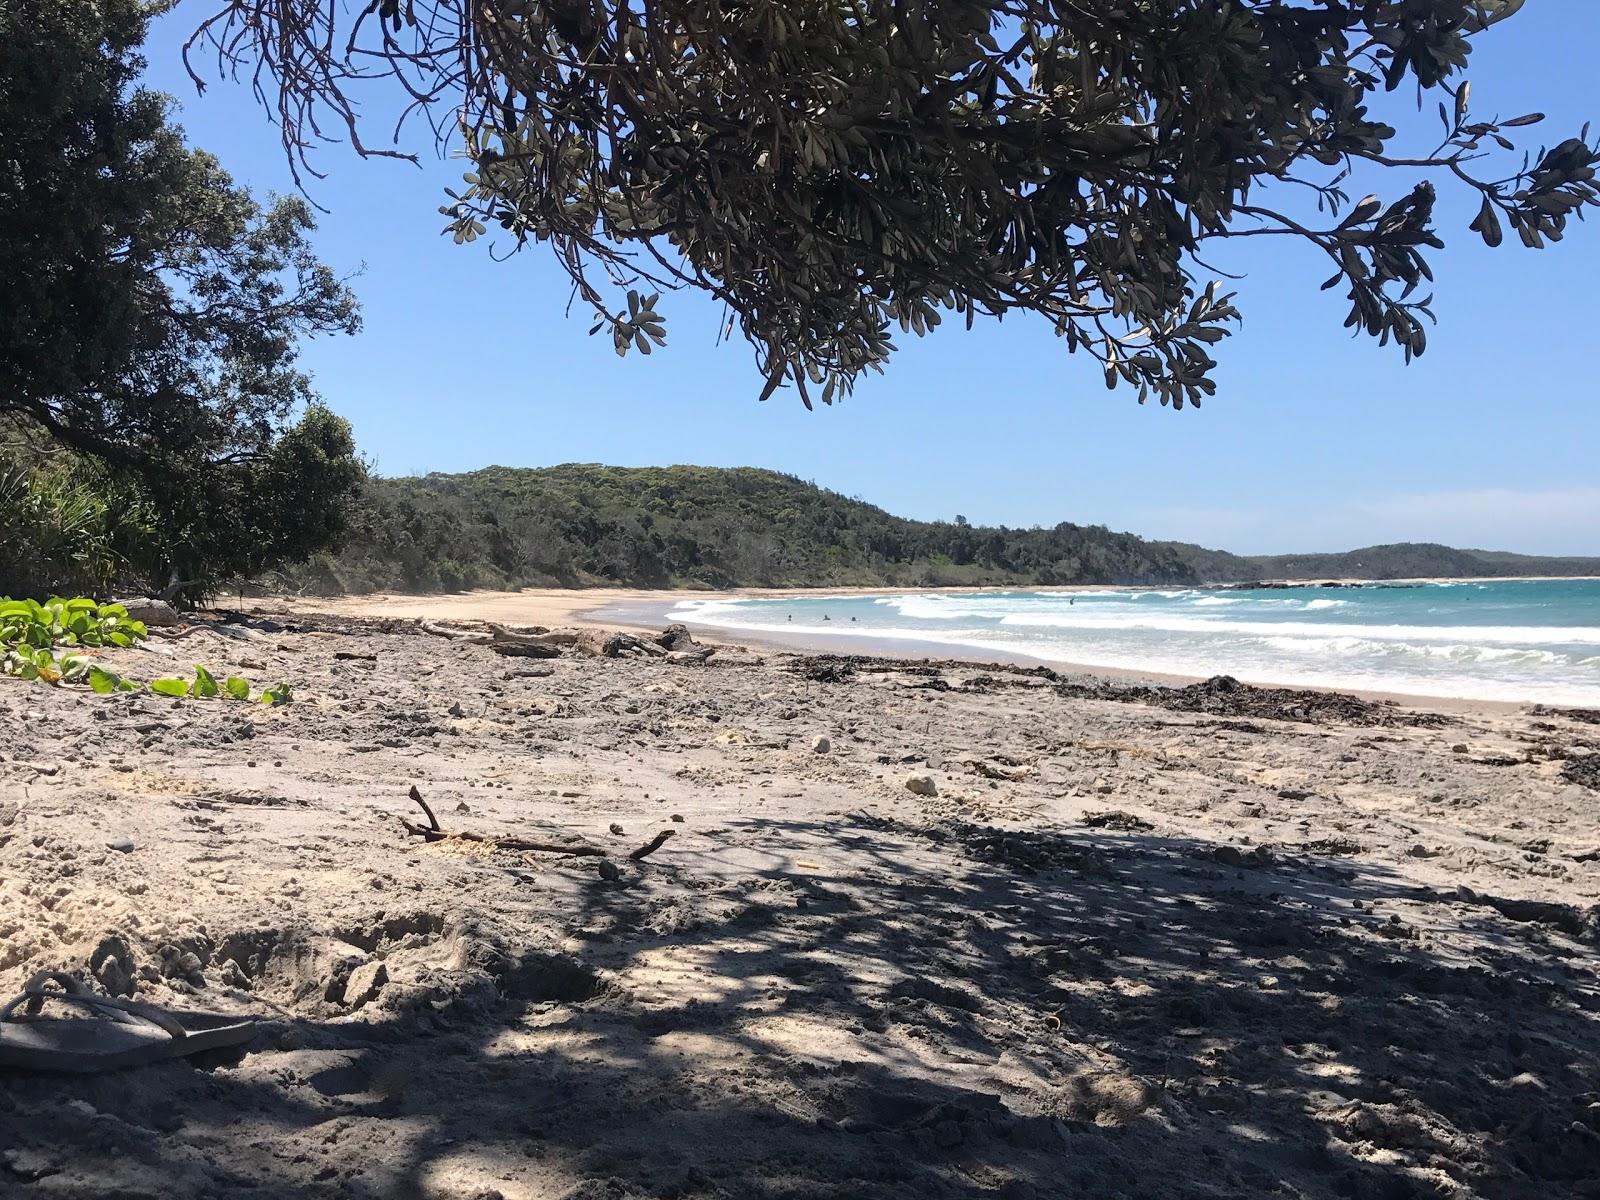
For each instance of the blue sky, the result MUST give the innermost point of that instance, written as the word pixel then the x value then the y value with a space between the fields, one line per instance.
pixel 1314 441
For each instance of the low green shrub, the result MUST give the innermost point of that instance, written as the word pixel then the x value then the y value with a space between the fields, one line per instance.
pixel 29 629
pixel 60 622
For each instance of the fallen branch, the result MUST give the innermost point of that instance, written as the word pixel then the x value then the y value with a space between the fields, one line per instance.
pixel 534 633
pixel 652 845
pixel 431 832
pixel 433 821
pixel 540 644
pixel 675 637
pixel 457 635
pixel 691 656
pixel 525 648
pixel 626 645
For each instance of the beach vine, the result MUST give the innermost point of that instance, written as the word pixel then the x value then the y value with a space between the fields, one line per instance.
pixel 31 630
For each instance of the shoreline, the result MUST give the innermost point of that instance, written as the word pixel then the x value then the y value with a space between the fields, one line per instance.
pixel 636 609
pixel 650 619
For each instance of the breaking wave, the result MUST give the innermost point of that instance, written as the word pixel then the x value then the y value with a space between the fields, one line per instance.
pixel 1501 640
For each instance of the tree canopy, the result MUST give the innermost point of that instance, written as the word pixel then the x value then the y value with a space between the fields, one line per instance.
pixel 834 168
pixel 152 311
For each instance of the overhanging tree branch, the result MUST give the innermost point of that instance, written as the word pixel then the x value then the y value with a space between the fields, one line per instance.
pixel 828 170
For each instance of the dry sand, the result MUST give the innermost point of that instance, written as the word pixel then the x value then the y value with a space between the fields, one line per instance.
pixel 1135 943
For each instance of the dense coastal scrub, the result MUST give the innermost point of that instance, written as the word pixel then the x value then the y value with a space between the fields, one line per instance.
pixel 713 527
pixel 156 430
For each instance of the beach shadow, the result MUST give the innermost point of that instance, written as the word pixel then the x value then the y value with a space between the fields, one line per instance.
pixel 949 1010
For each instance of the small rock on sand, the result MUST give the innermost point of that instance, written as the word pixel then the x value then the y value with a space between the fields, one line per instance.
pixel 151 612
pixel 821 744
pixel 609 870
pixel 365 982
pixel 121 845
pixel 109 964
pixel 921 785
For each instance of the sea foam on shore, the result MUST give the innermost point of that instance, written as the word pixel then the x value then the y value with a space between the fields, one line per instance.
pixel 1511 640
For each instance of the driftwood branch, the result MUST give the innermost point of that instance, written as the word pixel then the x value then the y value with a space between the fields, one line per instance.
pixel 652 845
pixel 524 648
pixel 457 635
pixel 534 633
pixel 536 643
pixel 433 821
pixel 431 832
pixel 627 645
pixel 691 656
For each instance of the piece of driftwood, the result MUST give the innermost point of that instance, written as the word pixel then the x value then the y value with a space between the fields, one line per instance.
pixel 691 656
pixel 515 644
pixel 456 635
pixel 652 845
pixel 534 633
pixel 676 637
pixel 432 832
pixel 627 645
pixel 519 648
pixel 502 640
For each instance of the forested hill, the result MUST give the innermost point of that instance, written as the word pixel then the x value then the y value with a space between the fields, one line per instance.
pixel 1418 560
pixel 723 527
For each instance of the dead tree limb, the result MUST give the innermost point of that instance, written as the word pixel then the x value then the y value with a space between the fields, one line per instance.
pixel 533 633
pixel 652 845
pixel 524 648
pixel 691 656
pixel 456 635
pixel 542 644
pixel 433 821
pixel 431 832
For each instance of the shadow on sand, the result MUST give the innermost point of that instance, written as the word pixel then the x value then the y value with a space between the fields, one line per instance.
pixel 952 1011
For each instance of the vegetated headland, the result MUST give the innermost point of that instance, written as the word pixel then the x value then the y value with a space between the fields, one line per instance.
pixel 714 527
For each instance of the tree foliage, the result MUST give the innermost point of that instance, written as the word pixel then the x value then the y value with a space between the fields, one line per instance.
pixel 833 169
pixel 152 311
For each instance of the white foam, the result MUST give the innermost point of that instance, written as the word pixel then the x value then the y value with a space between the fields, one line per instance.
pixel 1178 623
pixel 1196 633
pixel 1460 652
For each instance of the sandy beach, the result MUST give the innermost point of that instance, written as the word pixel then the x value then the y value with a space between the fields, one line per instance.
pixel 919 930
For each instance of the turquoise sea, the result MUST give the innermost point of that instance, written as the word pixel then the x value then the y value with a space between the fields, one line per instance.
pixel 1521 640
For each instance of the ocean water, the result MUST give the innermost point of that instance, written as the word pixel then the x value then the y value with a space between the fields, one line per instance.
pixel 1520 640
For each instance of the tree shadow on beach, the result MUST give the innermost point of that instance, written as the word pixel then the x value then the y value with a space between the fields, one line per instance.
pixel 947 1010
